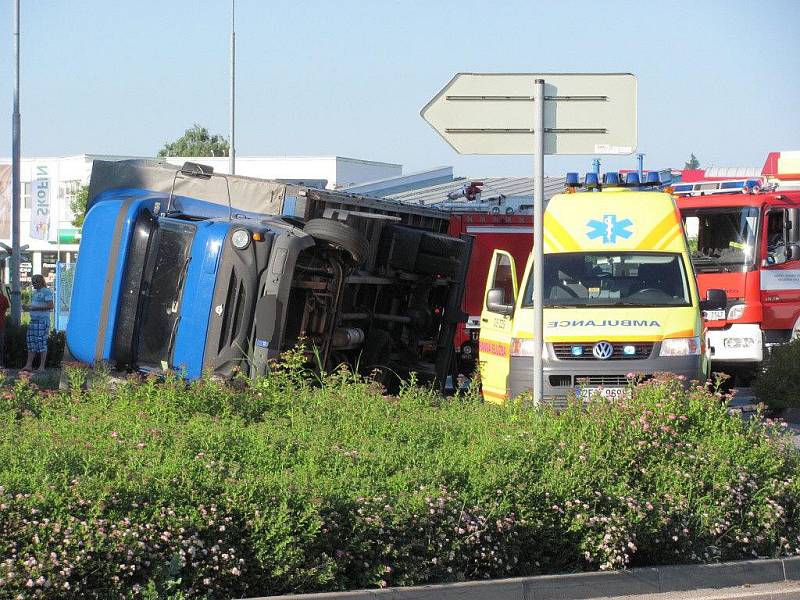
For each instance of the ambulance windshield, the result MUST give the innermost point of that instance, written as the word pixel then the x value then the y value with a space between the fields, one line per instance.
pixel 613 279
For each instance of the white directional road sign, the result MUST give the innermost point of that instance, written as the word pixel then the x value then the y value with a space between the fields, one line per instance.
pixel 493 113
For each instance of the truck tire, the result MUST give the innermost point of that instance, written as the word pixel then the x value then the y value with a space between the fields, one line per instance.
pixel 340 236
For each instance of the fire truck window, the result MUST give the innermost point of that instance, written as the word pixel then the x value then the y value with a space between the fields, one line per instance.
pixel 503 277
pixel 692 227
pixel 775 231
pixel 776 238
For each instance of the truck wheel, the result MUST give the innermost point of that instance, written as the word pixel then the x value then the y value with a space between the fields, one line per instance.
pixel 339 236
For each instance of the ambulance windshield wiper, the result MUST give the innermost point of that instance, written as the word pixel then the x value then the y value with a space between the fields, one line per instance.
pixel 639 304
pixel 549 305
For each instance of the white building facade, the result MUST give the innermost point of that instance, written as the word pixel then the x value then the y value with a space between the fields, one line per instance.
pixel 50 184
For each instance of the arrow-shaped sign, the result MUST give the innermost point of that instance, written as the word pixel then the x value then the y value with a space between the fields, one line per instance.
pixel 493 113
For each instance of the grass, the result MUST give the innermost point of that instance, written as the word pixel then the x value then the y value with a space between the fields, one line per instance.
pixel 163 489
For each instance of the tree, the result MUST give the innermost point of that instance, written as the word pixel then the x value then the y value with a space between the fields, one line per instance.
pixel 692 163
pixel 196 141
pixel 78 206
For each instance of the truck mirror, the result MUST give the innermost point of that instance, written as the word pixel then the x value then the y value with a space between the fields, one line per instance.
pixel 495 302
pixel 715 300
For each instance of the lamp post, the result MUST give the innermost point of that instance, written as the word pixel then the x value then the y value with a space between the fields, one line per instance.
pixel 16 306
pixel 232 148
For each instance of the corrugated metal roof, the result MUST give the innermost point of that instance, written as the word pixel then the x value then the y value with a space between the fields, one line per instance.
pixel 493 188
pixel 733 172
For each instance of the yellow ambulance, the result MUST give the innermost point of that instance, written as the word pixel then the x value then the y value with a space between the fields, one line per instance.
pixel 620 297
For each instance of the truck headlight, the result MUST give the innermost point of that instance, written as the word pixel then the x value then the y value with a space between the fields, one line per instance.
pixel 240 239
pixel 680 346
pixel 735 312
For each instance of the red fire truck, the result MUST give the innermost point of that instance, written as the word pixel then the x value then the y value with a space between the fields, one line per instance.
pixel 748 243
pixel 510 232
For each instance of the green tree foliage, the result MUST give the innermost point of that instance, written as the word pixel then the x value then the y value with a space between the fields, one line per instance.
pixel 196 141
pixel 78 206
pixel 692 163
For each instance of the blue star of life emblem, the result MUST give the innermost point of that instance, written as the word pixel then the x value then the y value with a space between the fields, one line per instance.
pixel 609 229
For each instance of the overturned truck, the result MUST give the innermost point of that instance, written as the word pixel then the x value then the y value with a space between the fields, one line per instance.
pixel 187 270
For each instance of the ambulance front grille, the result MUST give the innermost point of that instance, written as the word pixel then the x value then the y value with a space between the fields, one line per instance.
pixel 583 351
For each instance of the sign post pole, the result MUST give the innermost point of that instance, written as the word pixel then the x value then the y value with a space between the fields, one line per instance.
pixel 538 242
pixel 490 113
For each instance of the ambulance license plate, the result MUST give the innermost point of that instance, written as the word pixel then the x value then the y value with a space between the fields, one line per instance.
pixel 714 315
pixel 611 393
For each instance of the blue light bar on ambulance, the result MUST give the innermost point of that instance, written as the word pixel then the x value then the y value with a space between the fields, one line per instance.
pixel 653 178
pixel 572 179
pixel 611 178
pixel 591 179
pixel 632 178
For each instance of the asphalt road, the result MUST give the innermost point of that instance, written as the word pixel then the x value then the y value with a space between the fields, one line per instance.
pixel 766 591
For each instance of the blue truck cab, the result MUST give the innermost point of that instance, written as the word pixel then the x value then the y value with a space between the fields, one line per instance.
pixel 168 281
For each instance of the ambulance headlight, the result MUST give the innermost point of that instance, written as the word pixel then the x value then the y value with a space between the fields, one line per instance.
pixel 735 312
pixel 680 346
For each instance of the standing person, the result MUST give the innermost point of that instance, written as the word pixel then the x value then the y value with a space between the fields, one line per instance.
pixel 39 327
pixel 3 309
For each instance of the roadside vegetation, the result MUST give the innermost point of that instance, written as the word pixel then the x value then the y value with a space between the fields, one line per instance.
pixel 158 489
pixel 778 385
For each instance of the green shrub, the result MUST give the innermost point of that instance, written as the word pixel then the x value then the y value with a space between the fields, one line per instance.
pixel 778 386
pixel 153 488
pixel 16 349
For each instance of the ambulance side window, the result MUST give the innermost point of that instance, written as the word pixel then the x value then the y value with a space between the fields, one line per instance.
pixel 504 278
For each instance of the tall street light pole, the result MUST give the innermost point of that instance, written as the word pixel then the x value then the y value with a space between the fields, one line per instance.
pixel 232 149
pixel 16 307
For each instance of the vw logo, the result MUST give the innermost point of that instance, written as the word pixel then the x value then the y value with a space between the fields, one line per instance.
pixel 603 350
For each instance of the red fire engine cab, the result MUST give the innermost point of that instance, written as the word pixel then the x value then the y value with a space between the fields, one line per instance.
pixel 495 222
pixel 748 243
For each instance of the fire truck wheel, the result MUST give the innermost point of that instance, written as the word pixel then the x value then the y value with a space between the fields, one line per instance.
pixel 339 235
pixel 440 245
pixel 436 265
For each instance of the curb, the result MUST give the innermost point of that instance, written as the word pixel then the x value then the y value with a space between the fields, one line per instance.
pixel 578 586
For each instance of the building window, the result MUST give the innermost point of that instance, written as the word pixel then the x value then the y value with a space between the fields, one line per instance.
pixel 69 189
pixel 27 192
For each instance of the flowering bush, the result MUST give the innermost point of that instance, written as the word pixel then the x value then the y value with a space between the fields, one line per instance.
pixel 154 489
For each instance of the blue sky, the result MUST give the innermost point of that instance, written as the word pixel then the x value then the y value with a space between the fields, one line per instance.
pixel 717 78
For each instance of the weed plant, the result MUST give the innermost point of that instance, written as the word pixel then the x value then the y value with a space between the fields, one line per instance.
pixel 151 489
